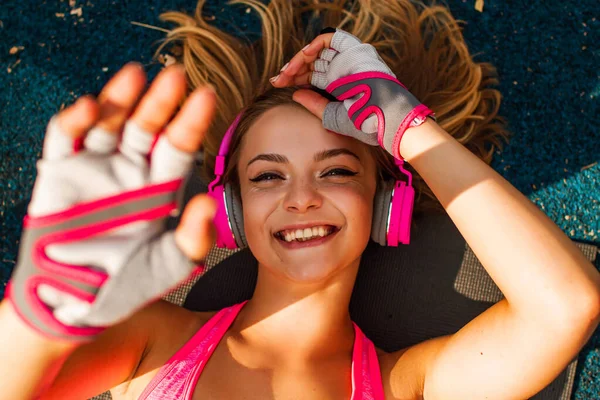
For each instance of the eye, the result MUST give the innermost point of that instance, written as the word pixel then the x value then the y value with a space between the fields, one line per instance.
pixel 339 172
pixel 268 176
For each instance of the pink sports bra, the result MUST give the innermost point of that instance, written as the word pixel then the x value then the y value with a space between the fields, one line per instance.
pixel 177 378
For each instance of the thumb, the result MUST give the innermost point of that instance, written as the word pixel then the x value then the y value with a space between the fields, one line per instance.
pixel 195 234
pixel 311 100
pixel 333 114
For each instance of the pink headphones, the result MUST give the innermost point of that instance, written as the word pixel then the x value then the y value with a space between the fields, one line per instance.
pixel 392 205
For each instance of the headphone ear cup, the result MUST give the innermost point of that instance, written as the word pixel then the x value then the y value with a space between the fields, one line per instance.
pixel 381 208
pixel 225 237
pixel 402 205
pixel 408 203
pixel 236 214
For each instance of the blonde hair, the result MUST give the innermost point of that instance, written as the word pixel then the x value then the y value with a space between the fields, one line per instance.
pixel 422 44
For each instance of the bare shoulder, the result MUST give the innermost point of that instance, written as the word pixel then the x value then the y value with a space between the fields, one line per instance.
pixel 171 321
pixel 169 327
pixel 403 371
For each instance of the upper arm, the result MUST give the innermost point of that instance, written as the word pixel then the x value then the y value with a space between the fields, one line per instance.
pixel 501 354
pixel 498 355
pixel 403 371
pixel 108 361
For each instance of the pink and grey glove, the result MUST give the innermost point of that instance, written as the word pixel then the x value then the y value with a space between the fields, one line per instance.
pixel 94 247
pixel 377 109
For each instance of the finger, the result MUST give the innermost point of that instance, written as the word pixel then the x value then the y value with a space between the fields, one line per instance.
pixel 77 119
pixel 187 129
pixel 319 79
pixel 119 96
pixel 317 44
pixel 327 54
pixel 302 65
pixel 117 99
pixel 136 143
pixel 298 63
pixel 310 78
pixel 175 151
pixel 299 80
pixel 312 101
pixel 342 41
pixel 153 112
pixel 162 99
pixel 320 65
pixel 195 234
pixel 283 80
pixel 69 126
pixel 335 119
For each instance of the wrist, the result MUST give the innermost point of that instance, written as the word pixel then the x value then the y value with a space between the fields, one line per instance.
pixel 28 324
pixel 416 117
pixel 419 139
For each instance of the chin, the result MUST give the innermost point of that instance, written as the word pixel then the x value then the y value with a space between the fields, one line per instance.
pixel 303 272
pixel 309 264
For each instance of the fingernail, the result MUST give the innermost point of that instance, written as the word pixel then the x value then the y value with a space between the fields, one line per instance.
pixel 284 67
pixel 273 79
pixel 137 65
pixel 211 87
pixel 84 99
pixel 306 47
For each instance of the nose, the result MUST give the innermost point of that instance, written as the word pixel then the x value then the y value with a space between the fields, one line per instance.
pixel 302 196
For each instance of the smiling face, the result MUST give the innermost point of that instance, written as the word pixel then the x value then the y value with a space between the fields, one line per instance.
pixel 307 195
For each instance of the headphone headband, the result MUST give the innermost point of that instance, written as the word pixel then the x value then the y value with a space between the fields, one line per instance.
pixel 224 149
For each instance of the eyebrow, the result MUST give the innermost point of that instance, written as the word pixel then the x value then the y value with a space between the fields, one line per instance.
pixel 320 156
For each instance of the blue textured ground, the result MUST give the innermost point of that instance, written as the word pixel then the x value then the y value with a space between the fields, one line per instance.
pixel 546 52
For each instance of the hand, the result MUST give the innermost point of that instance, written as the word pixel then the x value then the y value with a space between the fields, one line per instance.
pixel 94 248
pixel 377 109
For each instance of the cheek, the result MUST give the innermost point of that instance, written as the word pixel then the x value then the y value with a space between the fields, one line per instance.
pixel 257 207
pixel 356 203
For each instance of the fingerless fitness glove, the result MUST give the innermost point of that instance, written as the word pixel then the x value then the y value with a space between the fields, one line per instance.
pixel 374 106
pixel 94 247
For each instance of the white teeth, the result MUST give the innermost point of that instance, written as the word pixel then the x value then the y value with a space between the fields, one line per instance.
pixel 305 234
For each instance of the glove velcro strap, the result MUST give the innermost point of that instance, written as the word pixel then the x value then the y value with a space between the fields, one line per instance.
pixel 384 96
pixel 78 223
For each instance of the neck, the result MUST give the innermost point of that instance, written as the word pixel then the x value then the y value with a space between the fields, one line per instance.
pixel 291 322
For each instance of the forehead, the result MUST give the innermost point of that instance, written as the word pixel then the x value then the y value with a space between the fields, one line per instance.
pixel 289 130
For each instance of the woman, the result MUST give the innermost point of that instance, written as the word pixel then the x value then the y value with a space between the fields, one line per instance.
pixel 294 338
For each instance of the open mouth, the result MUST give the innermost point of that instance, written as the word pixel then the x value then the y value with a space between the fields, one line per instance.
pixel 306 234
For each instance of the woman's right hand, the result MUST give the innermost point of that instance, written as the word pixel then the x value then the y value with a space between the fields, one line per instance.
pixel 94 247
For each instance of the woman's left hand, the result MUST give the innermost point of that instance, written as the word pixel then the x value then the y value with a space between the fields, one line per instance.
pixel 328 57
pixel 375 107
